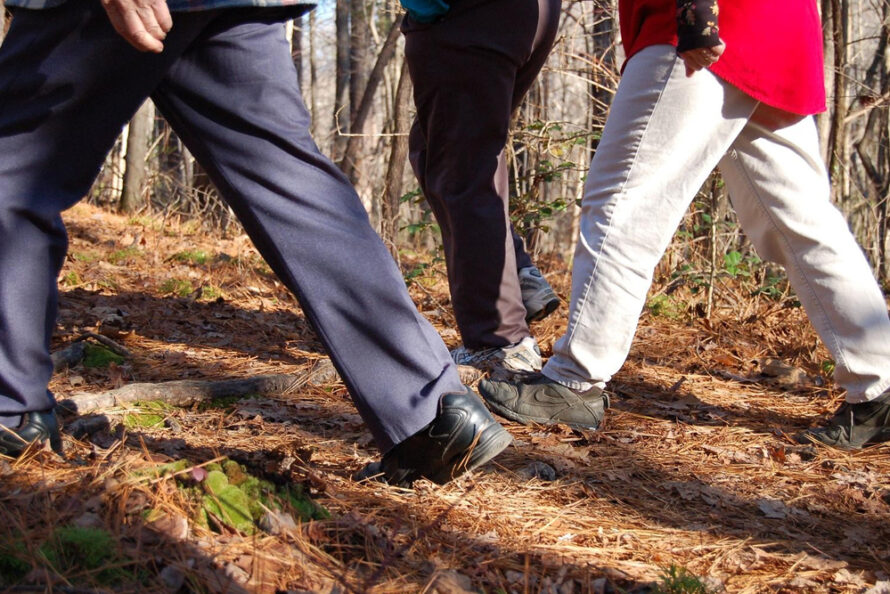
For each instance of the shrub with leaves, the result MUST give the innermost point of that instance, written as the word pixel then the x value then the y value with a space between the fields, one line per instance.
pixel 228 495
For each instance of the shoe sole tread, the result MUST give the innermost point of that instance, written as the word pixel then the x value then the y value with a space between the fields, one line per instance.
pixel 542 313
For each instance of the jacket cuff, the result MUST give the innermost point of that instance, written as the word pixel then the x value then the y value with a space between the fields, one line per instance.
pixel 697 24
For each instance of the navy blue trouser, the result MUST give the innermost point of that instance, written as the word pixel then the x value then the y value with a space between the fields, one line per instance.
pixel 228 87
pixel 471 71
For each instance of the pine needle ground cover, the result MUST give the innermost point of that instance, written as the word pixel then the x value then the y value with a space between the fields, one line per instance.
pixel 693 484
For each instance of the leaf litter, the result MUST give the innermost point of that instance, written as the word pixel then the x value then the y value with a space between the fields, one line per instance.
pixel 694 466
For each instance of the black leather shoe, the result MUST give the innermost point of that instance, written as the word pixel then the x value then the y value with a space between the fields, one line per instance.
pixel 35 427
pixel 463 436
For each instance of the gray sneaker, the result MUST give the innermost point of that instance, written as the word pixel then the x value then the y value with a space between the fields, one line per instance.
pixel 854 425
pixel 522 357
pixel 537 295
pixel 542 400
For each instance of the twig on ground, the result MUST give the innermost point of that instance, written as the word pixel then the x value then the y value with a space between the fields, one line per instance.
pixel 185 392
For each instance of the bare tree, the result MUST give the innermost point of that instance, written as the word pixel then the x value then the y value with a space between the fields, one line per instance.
pixel 872 145
pixel 353 145
pixel 137 149
pixel 296 47
pixel 838 12
pixel 395 172
pixel 341 114
pixel 313 75
pixel 360 57
pixel 3 20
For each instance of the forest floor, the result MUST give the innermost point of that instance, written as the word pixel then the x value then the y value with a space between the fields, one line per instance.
pixel 693 483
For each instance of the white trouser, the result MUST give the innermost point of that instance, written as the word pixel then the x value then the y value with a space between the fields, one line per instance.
pixel 665 134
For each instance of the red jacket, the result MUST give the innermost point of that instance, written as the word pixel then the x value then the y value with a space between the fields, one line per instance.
pixel 773 48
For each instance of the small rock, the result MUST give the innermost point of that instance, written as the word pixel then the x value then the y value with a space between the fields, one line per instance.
pixel 599 585
pixel 94 503
pixel 174 527
pixel 88 520
pixel 539 470
pixel 452 582
pixel 773 508
pixel 879 588
pixel 277 522
pixel 323 373
pixel 845 576
pixel 713 584
pixel 236 574
pixel 173 578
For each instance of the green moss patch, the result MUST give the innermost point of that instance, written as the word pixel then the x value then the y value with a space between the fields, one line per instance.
pixel 177 286
pixel 75 551
pixel 125 255
pixel 197 257
pixel 13 566
pixel 147 415
pixel 97 356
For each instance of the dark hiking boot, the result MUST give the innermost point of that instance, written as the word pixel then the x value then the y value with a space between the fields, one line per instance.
pixel 463 436
pixel 537 295
pixel 542 400
pixel 36 427
pixel 854 425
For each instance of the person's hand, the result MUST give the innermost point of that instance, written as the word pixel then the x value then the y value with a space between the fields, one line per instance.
pixel 143 23
pixel 702 57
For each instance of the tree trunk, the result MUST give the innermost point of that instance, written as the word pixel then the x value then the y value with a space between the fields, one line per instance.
pixel 313 77
pixel 350 154
pixel 824 119
pixel 296 48
pixel 174 166
pixel 341 76
pixel 3 20
pixel 872 144
pixel 603 70
pixel 359 53
pixel 359 67
pixel 395 172
pixel 137 149
pixel 837 135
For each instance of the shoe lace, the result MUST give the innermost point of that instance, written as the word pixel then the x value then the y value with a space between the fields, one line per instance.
pixel 464 356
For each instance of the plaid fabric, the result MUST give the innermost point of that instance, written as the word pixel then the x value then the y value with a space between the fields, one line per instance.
pixel 179 5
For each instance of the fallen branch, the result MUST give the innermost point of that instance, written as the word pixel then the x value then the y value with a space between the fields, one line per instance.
pixel 112 345
pixel 76 351
pixel 185 392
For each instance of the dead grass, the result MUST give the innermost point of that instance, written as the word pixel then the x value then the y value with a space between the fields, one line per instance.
pixel 694 467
